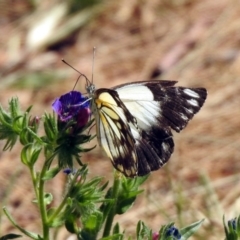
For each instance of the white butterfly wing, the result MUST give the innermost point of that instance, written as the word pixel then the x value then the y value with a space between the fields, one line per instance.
pixel 134 122
pixel 158 107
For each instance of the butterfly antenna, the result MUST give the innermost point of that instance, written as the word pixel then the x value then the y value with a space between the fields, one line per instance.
pixel 94 52
pixel 81 74
pixel 76 82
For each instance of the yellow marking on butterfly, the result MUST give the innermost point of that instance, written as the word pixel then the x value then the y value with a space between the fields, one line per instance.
pixel 106 97
pixel 120 167
pixel 134 157
pixel 129 172
pixel 103 119
pixel 110 113
pixel 133 170
pixel 119 125
pixel 130 140
pixel 105 147
pixel 114 128
pixel 98 103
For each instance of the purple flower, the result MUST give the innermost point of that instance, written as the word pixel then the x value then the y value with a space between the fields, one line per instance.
pixel 174 232
pixel 72 106
pixel 67 171
pixel 233 223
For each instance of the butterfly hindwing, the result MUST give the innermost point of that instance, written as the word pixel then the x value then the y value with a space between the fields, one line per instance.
pixel 114 132
pixel 154 149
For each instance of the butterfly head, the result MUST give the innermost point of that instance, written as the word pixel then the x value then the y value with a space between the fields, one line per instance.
pixel 90 87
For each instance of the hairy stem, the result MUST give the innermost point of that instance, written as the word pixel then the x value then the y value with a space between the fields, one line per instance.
pixel 112 213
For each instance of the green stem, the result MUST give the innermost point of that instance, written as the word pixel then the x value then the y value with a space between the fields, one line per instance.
pixel 41 199
pixel 63 203
pixel 42 206
pixel 112 212
pixel 29 234
pixel 34 181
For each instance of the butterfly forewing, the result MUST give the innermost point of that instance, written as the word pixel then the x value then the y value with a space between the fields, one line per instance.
pixel 162 105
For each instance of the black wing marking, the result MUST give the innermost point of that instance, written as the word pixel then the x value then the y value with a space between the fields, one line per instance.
pixel 154 149
pixel 178 104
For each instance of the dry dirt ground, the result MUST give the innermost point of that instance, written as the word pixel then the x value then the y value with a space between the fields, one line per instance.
pixel 196 42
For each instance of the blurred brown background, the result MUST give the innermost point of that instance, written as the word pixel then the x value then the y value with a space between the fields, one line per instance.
pixel 196 42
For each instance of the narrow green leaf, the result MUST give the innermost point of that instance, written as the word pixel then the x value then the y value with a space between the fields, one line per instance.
pixel 124 205
pixel 57 221
pixel 50 174
pixel 104 186
pixel 17 124
pixel 87 149
pixel 29 234
pixel 35 155
pixel 190 230
pixel 138 227
pixel 70 224
pixel 30 154
pixel 28 109
pixel 35 136
pixel 143 232
pixel 50 127
pixel 23 137
pixel 10 142
pixel 14 107
pixel 25 120
pixel 25 155
pixel 5 118
pixel 10 236
pixel 116 229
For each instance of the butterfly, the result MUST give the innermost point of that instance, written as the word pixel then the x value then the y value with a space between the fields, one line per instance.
pixel 134 121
